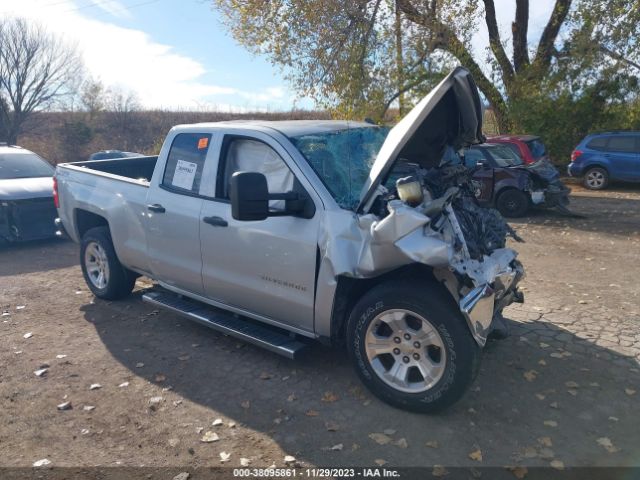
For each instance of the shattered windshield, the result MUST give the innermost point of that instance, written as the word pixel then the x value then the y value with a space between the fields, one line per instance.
pixel 342 159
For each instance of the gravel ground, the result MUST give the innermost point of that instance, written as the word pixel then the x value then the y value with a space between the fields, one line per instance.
pixel 563 389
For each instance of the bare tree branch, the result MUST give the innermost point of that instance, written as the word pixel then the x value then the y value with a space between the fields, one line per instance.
pixel 494 40
pixel 619 56
pixel 550 33
pixel 448 41
pixel 519 30
pixel 36 71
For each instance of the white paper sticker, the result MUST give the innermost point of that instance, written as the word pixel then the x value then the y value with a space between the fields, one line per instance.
pixel 184 175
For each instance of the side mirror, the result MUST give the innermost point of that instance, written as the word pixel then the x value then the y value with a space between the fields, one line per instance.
pixel 249 196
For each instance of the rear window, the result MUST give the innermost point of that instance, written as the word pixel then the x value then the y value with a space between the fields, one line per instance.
pixel 537 148
pixel 598 143
pixel 622 143
pixel 23 165
pixel 186 162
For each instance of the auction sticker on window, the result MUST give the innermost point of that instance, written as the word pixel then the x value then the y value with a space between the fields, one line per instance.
pixel 184 175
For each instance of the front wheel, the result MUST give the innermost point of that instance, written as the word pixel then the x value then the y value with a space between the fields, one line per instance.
pixel 104 274
pixel 512 203
pixel 411 346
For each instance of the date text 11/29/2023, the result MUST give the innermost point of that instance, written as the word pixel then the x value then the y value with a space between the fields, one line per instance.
pixel 317 472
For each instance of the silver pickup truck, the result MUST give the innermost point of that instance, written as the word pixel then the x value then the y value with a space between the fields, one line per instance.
pixel 337 231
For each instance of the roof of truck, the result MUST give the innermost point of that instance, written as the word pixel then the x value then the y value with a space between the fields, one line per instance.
pixel 290 128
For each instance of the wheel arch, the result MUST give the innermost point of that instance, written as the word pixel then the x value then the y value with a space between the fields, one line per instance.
pixel 349 290
pixel 86 220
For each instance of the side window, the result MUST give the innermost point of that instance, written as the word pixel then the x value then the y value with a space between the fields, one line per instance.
pixel 598 143
pixel 245 155
pixel 186 162
pixel 472 157
pixel 622 144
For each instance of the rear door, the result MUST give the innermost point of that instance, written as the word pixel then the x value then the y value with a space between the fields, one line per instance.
pixel 263 267
pixel 173 213
pixel 622 152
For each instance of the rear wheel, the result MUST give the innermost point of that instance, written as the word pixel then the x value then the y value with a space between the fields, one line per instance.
pixel 411 347
pixel 104 274
pixel 596 178
pixel 512 203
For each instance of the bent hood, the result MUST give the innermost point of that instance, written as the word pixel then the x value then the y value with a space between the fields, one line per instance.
pixel 25 188
pixel 544 169
pixel 450 115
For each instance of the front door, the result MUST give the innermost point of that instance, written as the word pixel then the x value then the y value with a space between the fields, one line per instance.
pixel 264 267
pixel 173 210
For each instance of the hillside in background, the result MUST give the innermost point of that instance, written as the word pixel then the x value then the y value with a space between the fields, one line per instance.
pixel 73 136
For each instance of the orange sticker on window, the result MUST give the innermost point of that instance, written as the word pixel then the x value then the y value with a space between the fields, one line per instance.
pixel 203 143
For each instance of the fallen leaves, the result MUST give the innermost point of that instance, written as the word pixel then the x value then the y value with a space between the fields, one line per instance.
pixel 380 438
pixel 432 444
pixel 519 471
pixel 545 441
pixel 476 455
pixel 329 397
pixel 246 404
pixel 265 376
pixel 557 464
pixel 402 443
pixel 629 391
pixel 217 422
pixel 224 457
pixel 312 413
pixel 550 423
pixel 530 375
pixel 607 444
pixel 209 437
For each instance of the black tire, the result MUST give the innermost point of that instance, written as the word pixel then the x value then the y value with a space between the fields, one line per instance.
pixel 119 280
pixel 433 303
pixel 596 178
pixel 512 203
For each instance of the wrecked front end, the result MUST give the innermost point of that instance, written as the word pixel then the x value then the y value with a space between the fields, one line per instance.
pixel 418 206
pixel 463 243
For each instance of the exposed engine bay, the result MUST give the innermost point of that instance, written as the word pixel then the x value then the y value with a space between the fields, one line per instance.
pixel 432 217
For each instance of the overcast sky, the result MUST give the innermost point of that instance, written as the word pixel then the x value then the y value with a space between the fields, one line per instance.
pixel 175 53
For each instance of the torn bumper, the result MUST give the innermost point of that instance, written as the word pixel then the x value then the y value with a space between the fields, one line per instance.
pixel 480 305
pixel 552 196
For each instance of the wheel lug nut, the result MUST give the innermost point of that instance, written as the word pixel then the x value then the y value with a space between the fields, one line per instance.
pixel 416 344
pixel 407 336
pixel 397 339
pixel 396 351
pixel 405 359
pixel 416 356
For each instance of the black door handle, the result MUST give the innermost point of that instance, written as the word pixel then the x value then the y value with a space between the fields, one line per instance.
pixel 215 221
pixel 156 207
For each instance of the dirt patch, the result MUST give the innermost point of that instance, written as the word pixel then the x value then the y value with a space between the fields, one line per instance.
pixel 564 387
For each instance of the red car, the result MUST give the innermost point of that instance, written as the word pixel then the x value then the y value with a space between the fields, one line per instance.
pixel 529 147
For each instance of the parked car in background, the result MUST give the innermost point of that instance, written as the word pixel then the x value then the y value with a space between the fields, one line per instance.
pixel 109 154
pixel 602 157
pixel 529 147
pixel 510 185
pixel 27 210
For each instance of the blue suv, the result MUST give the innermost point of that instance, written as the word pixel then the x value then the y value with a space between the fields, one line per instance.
pixel 602 157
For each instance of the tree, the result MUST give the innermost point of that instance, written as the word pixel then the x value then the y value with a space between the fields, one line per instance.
pixel 93 96
pixel 37 71
pixel 351 55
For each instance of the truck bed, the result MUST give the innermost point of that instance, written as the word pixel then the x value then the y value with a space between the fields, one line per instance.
pixel 137 168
